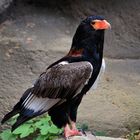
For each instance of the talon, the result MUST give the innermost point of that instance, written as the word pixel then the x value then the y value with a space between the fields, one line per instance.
pixel 82 131
pixel 73 125
pixel 73 133
pixel 69 133
pixel 76 132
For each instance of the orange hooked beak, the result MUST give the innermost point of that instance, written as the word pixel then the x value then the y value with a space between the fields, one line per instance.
pixel 100 25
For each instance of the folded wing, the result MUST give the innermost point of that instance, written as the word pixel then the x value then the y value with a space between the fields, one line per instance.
pixel 58 84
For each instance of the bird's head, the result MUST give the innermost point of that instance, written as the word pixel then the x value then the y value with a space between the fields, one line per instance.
pixel 96 23
pixel 90 27
pixel 90 33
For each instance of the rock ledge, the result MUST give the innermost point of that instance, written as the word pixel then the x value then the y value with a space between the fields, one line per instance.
pixel 89 136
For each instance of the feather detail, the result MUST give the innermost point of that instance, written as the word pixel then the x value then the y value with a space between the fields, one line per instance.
pixel 55 86
pixel 38 104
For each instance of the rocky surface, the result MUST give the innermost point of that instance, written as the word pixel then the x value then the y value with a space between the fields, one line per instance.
pixel 5 8
pixel 4 4
pixel 123 40
pixel 89 136
pixel 36 35
pixel 108 138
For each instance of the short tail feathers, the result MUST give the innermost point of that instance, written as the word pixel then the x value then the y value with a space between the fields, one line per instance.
pixel 23 118
pixel 10 114
pixel 20 120
pixel 29 107
pixel 17 107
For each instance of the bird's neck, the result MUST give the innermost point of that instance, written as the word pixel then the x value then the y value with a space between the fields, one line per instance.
pixel 90 48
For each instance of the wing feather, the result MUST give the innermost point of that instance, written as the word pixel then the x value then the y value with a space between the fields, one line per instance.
pixel 56 85
pixel 60 82
pixel 64 78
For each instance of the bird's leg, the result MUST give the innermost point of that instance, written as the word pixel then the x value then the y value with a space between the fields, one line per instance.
pixel 70 132
pixel 73 125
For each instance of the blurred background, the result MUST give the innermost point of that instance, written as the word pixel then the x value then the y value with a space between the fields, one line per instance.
pixel 35 33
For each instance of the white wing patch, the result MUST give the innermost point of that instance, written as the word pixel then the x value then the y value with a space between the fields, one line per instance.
pixel 38 103
pixel 102 70
pixel 64 62
pixel 90 73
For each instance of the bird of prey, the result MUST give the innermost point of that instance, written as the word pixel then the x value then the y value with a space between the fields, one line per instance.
pixel 61 87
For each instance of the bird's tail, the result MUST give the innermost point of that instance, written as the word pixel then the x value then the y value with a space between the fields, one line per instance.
pixel 11 114
pixel 16 109
pixel 29 107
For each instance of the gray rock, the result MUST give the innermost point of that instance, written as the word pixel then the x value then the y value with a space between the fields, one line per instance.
pixel 4 4
pixel 4 8
pixel 108 138
pixel 89 136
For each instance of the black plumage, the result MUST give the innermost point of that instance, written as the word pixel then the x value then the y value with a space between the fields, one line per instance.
pixel 60 89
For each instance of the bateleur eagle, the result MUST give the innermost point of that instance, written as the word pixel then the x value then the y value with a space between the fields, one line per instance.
pixel 61 87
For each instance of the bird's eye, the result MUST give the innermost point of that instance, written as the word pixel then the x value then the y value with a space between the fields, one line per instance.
pixel 93 22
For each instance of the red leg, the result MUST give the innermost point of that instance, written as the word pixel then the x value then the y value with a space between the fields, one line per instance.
pixel 68 132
